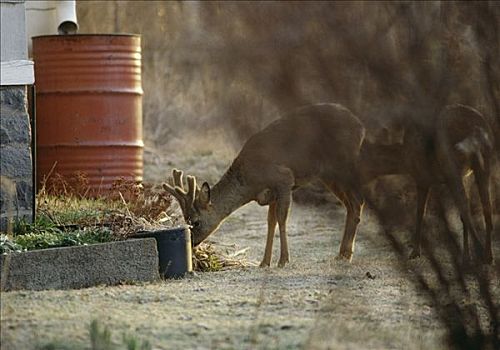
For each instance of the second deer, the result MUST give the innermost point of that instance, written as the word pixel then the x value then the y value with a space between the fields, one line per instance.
pixel 458 143
pixel 314 142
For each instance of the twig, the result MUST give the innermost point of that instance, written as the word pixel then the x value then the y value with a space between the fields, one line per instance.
pixel 125 203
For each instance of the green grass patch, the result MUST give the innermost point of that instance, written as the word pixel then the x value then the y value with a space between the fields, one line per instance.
pixel 53 239
pixel 100 339
pixel 59 229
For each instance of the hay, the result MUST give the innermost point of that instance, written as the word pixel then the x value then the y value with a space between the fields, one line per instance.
pixel 207 258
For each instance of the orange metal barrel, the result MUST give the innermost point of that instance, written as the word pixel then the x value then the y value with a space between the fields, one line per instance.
pixel 89 107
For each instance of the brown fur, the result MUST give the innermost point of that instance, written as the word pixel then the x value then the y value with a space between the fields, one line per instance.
pixel 314 142
pixel 460 142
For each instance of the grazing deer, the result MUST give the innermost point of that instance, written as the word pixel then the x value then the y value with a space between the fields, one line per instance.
pixel 314 142
pixel 460 143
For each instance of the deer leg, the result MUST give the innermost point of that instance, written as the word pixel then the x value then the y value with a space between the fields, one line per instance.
pixel 353 202
pixel 271 227
pixel 354 210
pixel 282 209
pixel 456 187
pixel 483 184
pixel 422 195
pixel 466 252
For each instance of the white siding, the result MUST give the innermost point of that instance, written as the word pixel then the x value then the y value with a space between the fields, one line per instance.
pixel 15 69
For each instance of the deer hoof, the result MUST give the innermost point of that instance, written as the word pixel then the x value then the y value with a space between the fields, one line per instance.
pixel 283 262
pixel 344 257
pixel 264 264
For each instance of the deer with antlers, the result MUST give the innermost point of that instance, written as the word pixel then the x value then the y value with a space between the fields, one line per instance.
pixel 319 141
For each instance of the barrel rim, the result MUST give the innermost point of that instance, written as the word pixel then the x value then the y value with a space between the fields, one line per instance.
pixel 87 35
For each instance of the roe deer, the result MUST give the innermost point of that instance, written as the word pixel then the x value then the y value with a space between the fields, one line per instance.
pixel 459 143
pixel 317 141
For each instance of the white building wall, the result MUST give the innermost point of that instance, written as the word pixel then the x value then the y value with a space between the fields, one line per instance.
pixel 13 30
pixel 15 68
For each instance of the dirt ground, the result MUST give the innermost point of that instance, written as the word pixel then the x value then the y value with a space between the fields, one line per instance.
pixel 315 302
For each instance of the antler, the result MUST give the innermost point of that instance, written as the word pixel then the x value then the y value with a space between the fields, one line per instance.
pixel 176 189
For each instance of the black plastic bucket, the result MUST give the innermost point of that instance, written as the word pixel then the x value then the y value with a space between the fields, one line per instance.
pixel 174 250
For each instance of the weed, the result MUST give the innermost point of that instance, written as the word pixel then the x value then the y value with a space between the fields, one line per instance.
pixel 133 343
pixel 100 339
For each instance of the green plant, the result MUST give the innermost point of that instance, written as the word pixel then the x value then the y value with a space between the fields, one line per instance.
pixel 8 246
pixel 51 239
pixel 41 240
pixel 42 224
pixel 100 339
pixel 133 343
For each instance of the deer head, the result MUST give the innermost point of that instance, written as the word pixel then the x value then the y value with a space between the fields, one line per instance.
pixel 195 204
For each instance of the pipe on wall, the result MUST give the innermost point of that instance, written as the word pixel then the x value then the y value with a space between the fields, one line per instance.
pixel 48 17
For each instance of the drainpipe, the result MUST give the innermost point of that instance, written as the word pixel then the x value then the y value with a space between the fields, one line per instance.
pixel 45 17
pixel 66 17
pixel 49 17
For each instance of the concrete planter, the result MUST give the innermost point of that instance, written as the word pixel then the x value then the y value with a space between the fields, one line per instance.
pixel 81 266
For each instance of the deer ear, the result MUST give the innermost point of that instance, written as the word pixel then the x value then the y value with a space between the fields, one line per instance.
pixel 204 196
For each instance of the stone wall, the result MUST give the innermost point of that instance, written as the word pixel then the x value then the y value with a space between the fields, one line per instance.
pixel 16 190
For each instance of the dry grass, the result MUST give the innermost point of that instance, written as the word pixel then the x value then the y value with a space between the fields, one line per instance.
pixel 128 207
pixel 208 258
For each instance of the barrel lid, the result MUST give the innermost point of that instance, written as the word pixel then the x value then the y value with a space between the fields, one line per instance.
pixel 87 35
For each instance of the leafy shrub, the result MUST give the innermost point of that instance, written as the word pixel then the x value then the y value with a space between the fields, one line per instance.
pixel 58 238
